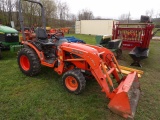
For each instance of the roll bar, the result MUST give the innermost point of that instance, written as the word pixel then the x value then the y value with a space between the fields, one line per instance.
pixel 21 16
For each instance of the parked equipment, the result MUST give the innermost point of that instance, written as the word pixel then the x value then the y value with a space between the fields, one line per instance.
pixel 145 19
pixel 73 39
pixel 138 54
pixel 133 35
pixel 113 45
pixel 136 37
pixel 8 38
pixel 77 61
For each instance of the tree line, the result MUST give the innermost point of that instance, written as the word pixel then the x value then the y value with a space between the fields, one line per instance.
pixel 57 13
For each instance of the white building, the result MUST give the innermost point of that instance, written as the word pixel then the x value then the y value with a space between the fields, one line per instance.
pixel 94 27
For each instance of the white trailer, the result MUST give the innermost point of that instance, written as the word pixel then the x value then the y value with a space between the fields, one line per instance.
pixel 94 27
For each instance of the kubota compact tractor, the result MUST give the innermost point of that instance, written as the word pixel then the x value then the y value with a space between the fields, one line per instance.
pixel 76 61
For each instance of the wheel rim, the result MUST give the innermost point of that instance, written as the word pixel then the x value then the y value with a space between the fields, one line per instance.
pixel 71 83
pixel 24 62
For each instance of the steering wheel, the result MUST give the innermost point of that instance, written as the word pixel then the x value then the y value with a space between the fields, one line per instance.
pixel 57 35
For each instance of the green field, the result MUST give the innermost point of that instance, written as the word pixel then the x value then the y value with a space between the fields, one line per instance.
pixel 43 97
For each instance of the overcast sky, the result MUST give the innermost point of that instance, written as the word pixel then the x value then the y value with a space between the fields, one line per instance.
pixel 114 8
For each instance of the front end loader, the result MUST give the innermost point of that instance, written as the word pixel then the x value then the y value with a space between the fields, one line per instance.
pixel 76 62
pixel 102 65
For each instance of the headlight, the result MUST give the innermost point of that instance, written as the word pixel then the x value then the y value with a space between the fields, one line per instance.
pixel 8 34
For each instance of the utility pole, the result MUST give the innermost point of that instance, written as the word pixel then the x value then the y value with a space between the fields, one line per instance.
pixel 128 17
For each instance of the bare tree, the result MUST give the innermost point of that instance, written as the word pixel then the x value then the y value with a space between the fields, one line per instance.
pixel 72 17
pixel 98 18
pixel 150 13
pixel 158 14
pixel 57 13
pixel 32 12
pixel 2 11
pixel 50 11
pixel 6 8
pixel 125 16
pixel 62 13
pixel 62 10
pixel 85 14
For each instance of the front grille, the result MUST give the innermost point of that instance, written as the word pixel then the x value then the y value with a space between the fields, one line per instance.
pixel 11 38
pixel 2 37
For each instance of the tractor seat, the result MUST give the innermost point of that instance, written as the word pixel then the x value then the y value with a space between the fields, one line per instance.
pixel 42 37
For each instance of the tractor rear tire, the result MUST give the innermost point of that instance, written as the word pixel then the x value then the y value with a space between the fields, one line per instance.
pixel 74 81
pixel 29 62
pixel 0 54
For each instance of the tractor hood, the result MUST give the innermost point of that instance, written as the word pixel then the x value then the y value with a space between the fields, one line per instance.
pixel 6 29
pixel 80 47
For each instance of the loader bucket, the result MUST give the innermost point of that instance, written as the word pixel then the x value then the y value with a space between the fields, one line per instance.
pixel 126 98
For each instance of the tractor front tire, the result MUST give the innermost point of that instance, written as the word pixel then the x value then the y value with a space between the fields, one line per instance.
pixel 74 81
pixel 29 62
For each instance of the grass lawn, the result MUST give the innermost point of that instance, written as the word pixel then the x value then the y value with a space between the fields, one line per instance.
pixel 158 33
pixel 43 96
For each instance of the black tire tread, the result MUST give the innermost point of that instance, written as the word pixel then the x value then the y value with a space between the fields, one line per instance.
pixel 80 78
pixel 34 61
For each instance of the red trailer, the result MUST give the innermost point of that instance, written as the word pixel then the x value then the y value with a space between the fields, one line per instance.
pixel 136 37
pixel 133 35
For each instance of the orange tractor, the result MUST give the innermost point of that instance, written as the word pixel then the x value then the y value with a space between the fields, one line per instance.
pixel 76 62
